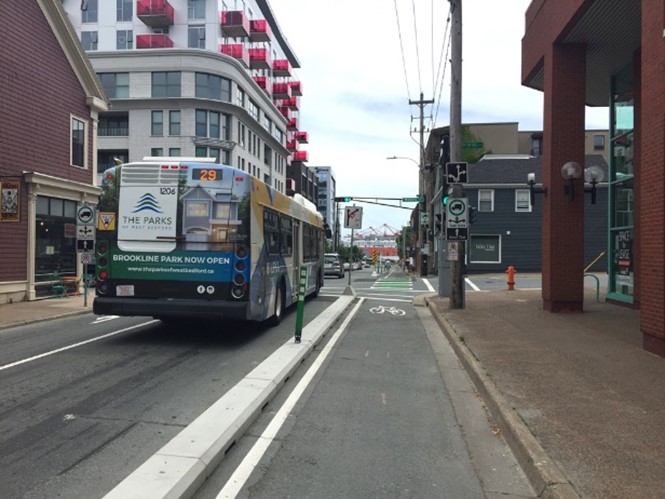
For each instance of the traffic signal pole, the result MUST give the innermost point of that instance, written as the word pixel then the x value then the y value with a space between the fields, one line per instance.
pixel 457 297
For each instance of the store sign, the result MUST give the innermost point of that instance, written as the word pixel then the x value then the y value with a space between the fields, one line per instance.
pixel 9 197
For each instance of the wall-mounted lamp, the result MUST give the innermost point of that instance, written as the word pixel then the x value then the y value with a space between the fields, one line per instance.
pixel 531 181
pixel 593 175
pixel 570 171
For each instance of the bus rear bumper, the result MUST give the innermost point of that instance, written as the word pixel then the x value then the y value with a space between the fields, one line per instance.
pixel 170 308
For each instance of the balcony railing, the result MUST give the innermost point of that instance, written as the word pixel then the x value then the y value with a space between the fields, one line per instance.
pixel 296 88
pixel 291 145
pixel 301 137
pixel 300 156
pixel 292 124
pixel 286 112
pixel 281 91
pixel 291 102
pixel 155 13
pixel 281 67
pixel 259 30
pixel 259 59
pixel 153 41
pixel 106 131
pixel 265 83
pixel 234 24
pixel 237 51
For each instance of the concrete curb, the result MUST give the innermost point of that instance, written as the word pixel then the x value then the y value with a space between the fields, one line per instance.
pixel 180 467
pixel 546 478
pixel 44 319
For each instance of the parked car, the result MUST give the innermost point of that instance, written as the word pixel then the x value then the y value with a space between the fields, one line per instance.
pixel 332 265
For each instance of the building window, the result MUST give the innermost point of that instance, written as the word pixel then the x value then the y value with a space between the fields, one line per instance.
pixel 166 84
pixel 78 143
pixel 156 151
pixel 124 10
pixel 215 87
pixel 174 151
pixel 115 84
pixel 267 123
pixel 196 9
pixel 208 152
pixel 89 40
pixel 522 200
pixel 241 134
pixel 253 110
pixel 113 125
pixel 157 123
pixel 537 146
pixel 598 142
pixel 240 97
pixel 201 128
pixel 196 37
pixel 267 154
pixel 125 39
pixel 174 122
pixel 88 11
pixel 485 200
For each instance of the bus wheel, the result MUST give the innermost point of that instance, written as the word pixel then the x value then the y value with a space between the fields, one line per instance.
pixel 319 285
pixel 276 318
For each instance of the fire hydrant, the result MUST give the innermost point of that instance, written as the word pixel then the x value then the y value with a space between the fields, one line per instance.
pixel 511 278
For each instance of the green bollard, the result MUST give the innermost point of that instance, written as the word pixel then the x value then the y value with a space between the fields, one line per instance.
pixel 302 286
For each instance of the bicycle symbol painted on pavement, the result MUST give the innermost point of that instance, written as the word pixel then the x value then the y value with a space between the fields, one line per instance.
pixel 389 310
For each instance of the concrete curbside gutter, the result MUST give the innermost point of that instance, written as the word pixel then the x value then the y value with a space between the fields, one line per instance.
pixel 180 467
pixel 546 478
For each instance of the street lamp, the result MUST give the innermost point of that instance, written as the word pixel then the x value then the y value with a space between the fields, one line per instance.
pixel 404 157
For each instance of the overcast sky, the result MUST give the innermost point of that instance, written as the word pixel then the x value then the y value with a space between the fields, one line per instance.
pixel 362 61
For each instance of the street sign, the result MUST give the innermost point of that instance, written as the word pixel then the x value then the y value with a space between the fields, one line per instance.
pixel 84 245
pixel 473 145
pixel 457 234
pixel 85 215
pixel 353 217
pixel 458 213
pixel 86 232
pixel 456 173
pixel 419 199
pixel 424 218
pixel 87 258
pixel 453 251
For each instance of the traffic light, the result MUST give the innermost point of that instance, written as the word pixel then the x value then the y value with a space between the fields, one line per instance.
pixel 473 211
pixel 444 152
pixel 446 196
pixel 438 223
pixel 344 199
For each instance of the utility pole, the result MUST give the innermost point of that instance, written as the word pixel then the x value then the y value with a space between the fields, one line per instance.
pixel 457 267
pixel 422 262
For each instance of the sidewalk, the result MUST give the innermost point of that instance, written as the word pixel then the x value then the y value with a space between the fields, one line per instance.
pixel 26 312
pixel 576 396
pixel 579 400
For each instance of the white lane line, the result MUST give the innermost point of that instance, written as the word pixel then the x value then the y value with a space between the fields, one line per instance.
pixel 429 286
pixel 75 345
pixel 471 284
pixel 242 473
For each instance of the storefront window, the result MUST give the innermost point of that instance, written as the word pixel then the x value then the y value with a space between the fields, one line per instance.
pixel 622 168
pixel 55 238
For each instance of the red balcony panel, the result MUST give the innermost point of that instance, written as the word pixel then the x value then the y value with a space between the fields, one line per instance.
pixel 265 83
pixel 259 59
pixel 281 91
pixel 286 112
pixel 234 24
pixel 301 137
pixel 155 13
pixel 292 124
pixel 281 67
pixel 296 88
pixel 259 30
pixel 237 51
pixel 153 42
pixel 291 145
pixel 300 156
pixel 292 103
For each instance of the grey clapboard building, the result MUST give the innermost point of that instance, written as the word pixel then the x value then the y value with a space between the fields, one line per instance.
pixel 507 226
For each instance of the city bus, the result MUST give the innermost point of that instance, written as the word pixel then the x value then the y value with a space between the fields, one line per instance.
pixel 188 238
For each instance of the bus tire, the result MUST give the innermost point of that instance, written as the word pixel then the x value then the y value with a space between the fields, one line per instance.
pixel 276 318
pixel 319 285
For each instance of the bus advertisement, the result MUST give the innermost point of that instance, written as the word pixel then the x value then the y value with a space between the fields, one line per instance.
pixel 186 238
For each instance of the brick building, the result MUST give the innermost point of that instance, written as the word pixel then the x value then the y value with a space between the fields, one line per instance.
pixel 49 102
pixel 598 53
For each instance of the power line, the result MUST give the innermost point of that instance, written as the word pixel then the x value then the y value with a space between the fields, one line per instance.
pixel 401 47
pixel 415 32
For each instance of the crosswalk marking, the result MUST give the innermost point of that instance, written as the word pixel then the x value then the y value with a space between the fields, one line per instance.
pixel 393 283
